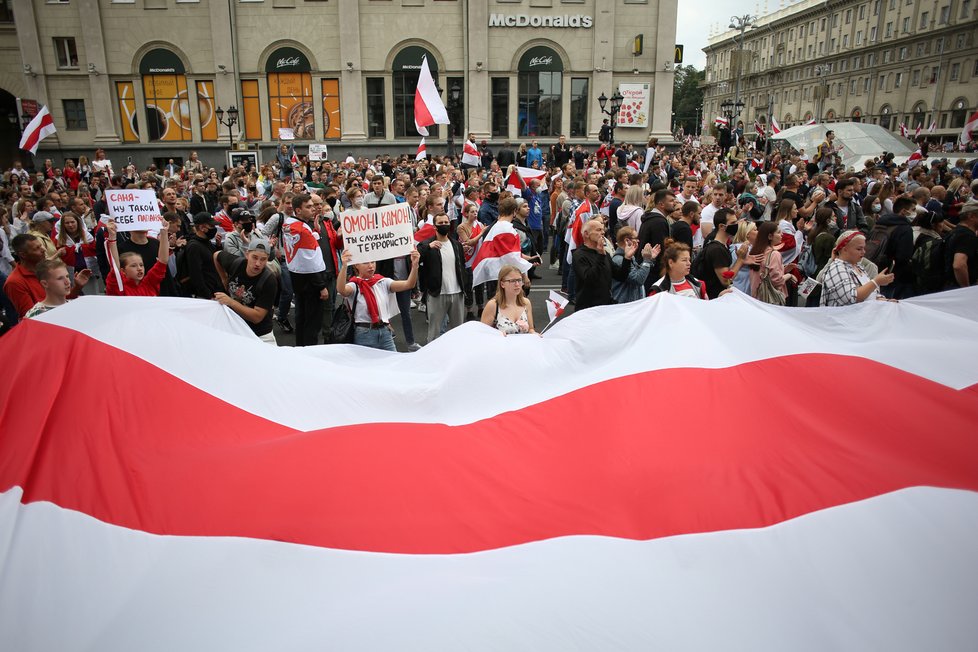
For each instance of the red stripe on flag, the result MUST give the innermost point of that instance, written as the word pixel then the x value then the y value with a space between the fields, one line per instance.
pixel 422 116
pixel 153 453
pixel 498 245
pixel 425 232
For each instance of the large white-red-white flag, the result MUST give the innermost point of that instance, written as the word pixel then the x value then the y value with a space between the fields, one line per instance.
pixel 775 127
pixel 574 236
pixel 422 151
pixel 277 515
pixel 536 516
pixel 470 154
pixel 527 174
pixel 500 246
pixel 428 107
pixel 37 130
pixel 970 126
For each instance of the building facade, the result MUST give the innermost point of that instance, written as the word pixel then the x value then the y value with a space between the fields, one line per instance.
pixel 888 62
pixel 147 76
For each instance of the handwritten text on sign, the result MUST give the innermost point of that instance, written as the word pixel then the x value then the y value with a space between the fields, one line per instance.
pixel 378 233
pixel 134 210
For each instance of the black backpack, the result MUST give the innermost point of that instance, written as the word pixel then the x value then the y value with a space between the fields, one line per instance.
pixel 927 263
pixel 877 244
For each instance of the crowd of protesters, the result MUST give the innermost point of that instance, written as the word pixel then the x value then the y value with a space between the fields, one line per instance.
pixel 618 224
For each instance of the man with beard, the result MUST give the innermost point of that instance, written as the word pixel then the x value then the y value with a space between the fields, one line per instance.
pixel 682 229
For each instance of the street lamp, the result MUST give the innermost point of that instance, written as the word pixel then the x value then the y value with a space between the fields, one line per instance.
pixel 232 120
pixel 741 23
pixel 821 90
pixel 454 93
pixel 616 100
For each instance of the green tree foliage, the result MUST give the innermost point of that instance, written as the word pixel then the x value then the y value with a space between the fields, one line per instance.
pixel 687 96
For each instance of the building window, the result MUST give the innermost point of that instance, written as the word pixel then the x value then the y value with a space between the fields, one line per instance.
pixel 290 93
pixel 848 16
pixel 903 53
pixel 845 41
pixel 205 107
pixel 872 34
pixel 376 125
pixel 915 78
pixel 407 69
pixel 500 107
pixel 924 19
pixel 65 52
pixel 906 25
pixel 332 127
pixel 167 104
pixel 974 73
pixel 876 8
pixel 959 42
pixel 889 30
pixel 866 84
pixel 539 92
pixel 958 115
pixel 862 12
pixel 251 109
pixel 965 8
pixel 6 11
pixel 955 71
pixel 882 82
pixel 75 119
pixel 579 102
pixel 945 15
pixel 127 111
pixel 852 87
pixel 859 37
pixel 898 80
pixel 887 55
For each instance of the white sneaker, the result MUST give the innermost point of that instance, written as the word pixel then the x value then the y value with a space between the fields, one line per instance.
pixel 554 266
pixel 422 307
pixel 414 347
pixel 414 304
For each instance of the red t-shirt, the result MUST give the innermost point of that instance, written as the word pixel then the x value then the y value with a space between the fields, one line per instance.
pixel 149 287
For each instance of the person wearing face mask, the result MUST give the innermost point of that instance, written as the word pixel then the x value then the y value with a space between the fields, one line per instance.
pixel 197 274
pixel 872 207
pixel 441 275
pixel 896 233
pixel 236 242
pixel 489 211
pixel 714 262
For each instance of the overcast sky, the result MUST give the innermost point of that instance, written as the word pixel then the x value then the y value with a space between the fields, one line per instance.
pixel 695 17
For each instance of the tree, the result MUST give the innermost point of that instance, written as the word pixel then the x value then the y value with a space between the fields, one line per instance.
pixel 687 96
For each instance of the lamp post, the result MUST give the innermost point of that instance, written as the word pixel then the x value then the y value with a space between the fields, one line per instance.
pixel 821 89
pixel 742 23
pixel 616 100
pixel 454 93
pixel 232 120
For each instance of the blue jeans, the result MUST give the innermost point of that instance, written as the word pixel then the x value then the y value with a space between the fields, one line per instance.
pixel 404 305
pixel 375 338
pixel 285 292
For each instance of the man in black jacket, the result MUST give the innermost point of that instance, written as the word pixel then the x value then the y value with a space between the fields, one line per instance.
pixel 506 156
pixel 440 274
pixel 899 247
pixel 654 228
pixel 197 275
pixel 593 270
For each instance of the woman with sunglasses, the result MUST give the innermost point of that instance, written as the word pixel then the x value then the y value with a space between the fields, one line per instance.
pixel 509 311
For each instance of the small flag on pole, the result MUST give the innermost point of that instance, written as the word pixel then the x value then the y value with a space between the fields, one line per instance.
pixel 775 127
pixel 428 107
pixel 422 151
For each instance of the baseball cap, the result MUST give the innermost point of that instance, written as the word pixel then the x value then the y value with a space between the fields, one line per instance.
pixel 203 218
pixel 258 244
pixel 43 216
pixel 970 206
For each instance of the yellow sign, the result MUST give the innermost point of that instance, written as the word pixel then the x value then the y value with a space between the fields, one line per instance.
pixel 679 54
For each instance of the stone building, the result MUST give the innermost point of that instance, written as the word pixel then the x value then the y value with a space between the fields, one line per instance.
pixel 146 77
pixel 889 62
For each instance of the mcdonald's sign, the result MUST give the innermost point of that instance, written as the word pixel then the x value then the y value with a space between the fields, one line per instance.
pixel 679 54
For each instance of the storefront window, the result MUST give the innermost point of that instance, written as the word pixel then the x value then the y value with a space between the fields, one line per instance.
pixel 167 103
pixel 579 102
pixel 376 119
pixel 290 93
pixel 331 108
pixel 406 68
pixel 250 109
pixel 127 111
pixel 500 107
pixel 540 74
pixel 205 106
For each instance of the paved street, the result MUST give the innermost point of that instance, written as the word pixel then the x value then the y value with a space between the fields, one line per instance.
pixel 550 280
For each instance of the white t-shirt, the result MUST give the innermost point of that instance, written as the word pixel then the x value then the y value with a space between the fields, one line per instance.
pixel 449 283
pixel 706 215
pixel 386 302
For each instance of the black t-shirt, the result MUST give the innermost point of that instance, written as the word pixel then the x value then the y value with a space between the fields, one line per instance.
pixel 715 256
pixel 962 240
pixel 252 291
pixel 793 196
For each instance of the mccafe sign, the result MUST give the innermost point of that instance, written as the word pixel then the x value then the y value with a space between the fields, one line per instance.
pixel 524 20
pixel 287 59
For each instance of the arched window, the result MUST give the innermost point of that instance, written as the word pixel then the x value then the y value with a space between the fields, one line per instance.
pixel 406 70
pixel 165 95
pixel 290 93
pixel 918 117
pixel 885 116
pixel 959 114
pixel 857 115
pixel 540 77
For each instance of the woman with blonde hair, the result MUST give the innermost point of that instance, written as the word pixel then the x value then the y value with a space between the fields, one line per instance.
pixel 509 311
pixel 72 237
pixel 631 210
pixel 746 234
